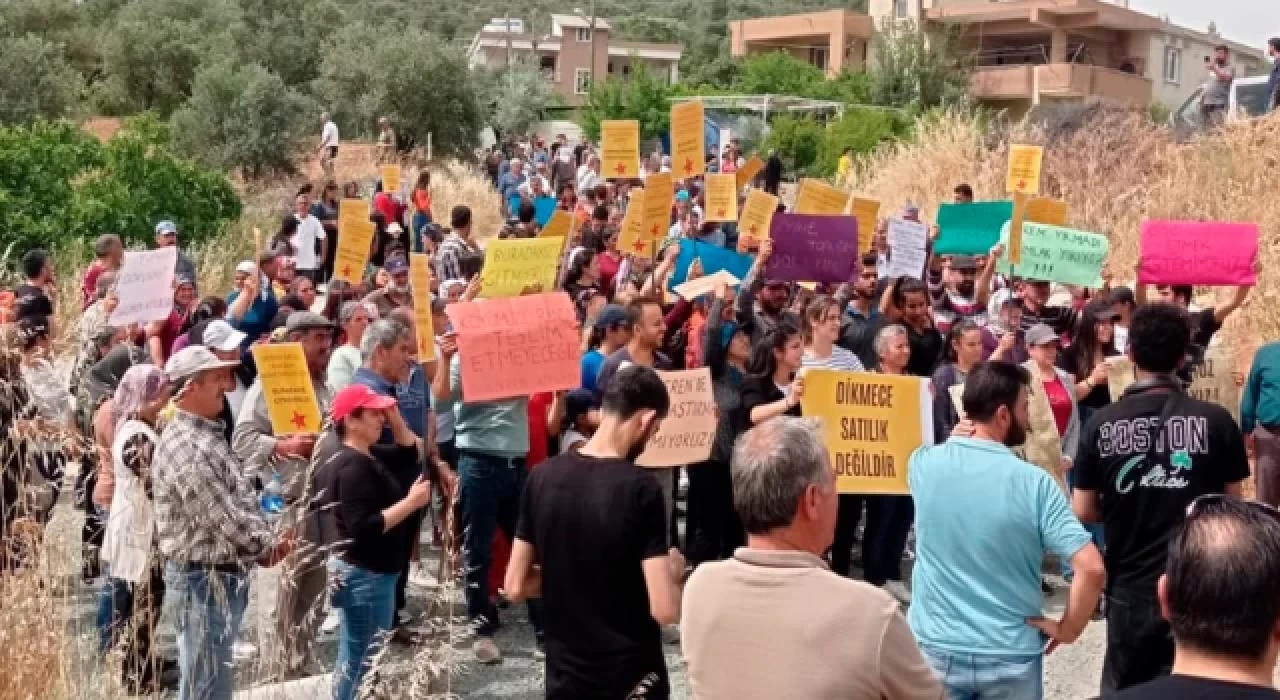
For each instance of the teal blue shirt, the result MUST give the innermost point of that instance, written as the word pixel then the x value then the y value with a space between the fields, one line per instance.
pixel 1260 402
pixel 984 519
pixel 499 428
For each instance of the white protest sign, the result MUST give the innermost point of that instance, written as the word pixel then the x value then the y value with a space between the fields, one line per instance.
pixel 693 289
pixel 145 286
pixel 907 241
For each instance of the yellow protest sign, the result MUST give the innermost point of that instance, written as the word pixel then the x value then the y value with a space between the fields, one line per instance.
pixel 686 434
pixel 512 264
pixel 352 211
pixel 559 225
pixel 390 175
pixel 632 238
pixel 722 198
pixel 352 254
pixel 688 132
pixel 871 423
pixel 818 198
pixel 748 171
pixel 659 191
pixel 287 389
pixel 1023 176
pixel 1015 228
pixel 420 283
pixel 1047 210
pixel 757 213
pixel 620 148
pixel 1119 375
pixel 867 212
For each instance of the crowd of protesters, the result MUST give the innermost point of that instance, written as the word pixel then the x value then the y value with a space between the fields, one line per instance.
pixel 1136 497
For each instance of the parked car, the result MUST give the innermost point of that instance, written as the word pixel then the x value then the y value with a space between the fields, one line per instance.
pixel 1248 99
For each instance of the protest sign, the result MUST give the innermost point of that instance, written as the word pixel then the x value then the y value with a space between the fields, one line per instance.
pixel 686 434
pixel 871 423
pixel 817 198
pixel 693 289
pixel 1015 228
pixel 557 226
pixel 1057 254
pixel 517 346
pixel 867 212
pixel 352 254
pixel 286 388
pixel 512 264
pixel 633 239
pixel 970 229
pixel 543 208
pixel 659 192
pixel 748 171
pixel 144 286
pixel 722 198
pixel 1046 210
pixel 420 283
pixel 813 248
pixel 1023 175
pixel 714 259
pixel 390 175
pixel 907 241
pixel 757 213
pixel 620 148
pixel 352 211
pixel 688 131
pixel 1211 379
pixel 957 399
pixel 1198 252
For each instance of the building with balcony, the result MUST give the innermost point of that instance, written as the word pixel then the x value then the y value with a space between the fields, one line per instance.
pixel 572 55
pixel 1025 51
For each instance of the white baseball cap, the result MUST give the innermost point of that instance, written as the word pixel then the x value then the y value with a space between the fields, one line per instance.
pixel 246 267
pixel 193 360
pixel 220 336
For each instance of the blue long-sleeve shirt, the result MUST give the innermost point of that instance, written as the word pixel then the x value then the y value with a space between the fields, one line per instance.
pixel 1260 403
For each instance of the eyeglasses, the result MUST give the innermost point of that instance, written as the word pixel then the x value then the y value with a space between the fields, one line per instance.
pixel 1202 504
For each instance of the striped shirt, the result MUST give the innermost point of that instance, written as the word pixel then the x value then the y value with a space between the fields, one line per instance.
pixel 950 308
pixel 840 359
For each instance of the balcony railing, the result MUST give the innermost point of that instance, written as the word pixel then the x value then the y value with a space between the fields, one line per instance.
pixel 1060 80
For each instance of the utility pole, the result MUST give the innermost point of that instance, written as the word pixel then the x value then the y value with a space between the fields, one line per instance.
pixel 593 44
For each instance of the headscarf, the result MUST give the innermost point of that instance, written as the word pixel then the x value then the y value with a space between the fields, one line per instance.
pixel 141 385
pixel 105 376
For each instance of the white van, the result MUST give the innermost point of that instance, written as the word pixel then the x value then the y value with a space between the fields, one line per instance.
pixel 1248 99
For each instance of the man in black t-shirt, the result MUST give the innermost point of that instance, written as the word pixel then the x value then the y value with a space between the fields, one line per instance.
pixel 1222 594
pixel 592 542
pixel 30 298
pixel 1142 460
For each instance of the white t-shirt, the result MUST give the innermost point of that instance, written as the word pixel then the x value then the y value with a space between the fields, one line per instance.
pixel 329 134
pixel 304 240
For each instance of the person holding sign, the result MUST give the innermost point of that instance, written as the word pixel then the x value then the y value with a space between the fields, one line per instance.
pixel 592 543
pixel 253 306
pixel 984 519
pixel 774 386
pixel 958 290
pixel 906 301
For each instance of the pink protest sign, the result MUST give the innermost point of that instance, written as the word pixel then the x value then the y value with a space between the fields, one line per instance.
pixel 517 346
pixel 1198 252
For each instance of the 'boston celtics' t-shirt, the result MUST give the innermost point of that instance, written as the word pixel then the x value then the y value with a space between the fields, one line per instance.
pixel 1199 451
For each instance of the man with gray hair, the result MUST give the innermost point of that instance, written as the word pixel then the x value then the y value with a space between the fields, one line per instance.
pixel 761 624
pixel 287 597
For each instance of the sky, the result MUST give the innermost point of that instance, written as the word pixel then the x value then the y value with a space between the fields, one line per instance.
pixel 1246 21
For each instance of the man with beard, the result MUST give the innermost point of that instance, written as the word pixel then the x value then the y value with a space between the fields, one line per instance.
pixel 396 294
pixel 592 542
pixel 762 303
pixel 862 319
pixel 984 519
pixel 958 291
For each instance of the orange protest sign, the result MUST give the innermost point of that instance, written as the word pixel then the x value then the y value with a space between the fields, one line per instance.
pixel 560 224
pixel 818 198
pixel 620 148
pixel 1015 228
pixel 632 238
pixel 1047 210
pixel 867 212
pixel 757 214
pixel 1024 169
pixel 748 171
pixel 686 434
pixel 659 191
pixel 722 198
pixel 688 136
pixel 420 283
pixel 517 346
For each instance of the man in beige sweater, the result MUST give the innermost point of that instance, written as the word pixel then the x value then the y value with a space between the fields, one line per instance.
pixel 774 621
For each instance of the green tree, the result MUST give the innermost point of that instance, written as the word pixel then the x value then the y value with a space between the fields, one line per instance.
pixel 798 141
pixel 518 97
pixel 862 129
pixel 242 117
pixel 918 68
pixel 288 37
pixel 779 73
pixel 640 97
pixel 36 81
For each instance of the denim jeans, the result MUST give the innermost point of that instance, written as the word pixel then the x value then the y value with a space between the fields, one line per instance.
pixel 132 611
pixel 367 601
pixel 488 498
pixel 987 676
pixel 206 608
pixel 1139 640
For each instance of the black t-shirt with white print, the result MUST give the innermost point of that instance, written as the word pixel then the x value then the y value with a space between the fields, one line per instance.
pixel 1200 452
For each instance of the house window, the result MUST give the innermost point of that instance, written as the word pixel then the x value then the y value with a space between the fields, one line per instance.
pixel 584 35
pixel 547 64
pixel 610 67
pixel 818 57
pixel 626 70
pixel 900 9
pixel 1172 65
pixel 582 81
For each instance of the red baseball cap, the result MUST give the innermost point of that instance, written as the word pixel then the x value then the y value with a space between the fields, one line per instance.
pixel 355 396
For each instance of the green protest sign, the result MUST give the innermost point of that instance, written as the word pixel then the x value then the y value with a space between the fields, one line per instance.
pixel 970 229
pixel 1056 254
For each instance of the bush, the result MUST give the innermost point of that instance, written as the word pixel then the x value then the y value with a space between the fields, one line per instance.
pixel 35 81
pixel 797 140
pixel 862 129
pixel 59 184
pixel 244 118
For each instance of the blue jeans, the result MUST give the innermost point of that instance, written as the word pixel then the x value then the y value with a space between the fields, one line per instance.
pixel 987 676
pixel 206 608
pixel 367 600
pixel 488 498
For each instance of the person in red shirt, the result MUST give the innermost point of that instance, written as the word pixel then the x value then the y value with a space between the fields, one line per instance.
pixel 108 251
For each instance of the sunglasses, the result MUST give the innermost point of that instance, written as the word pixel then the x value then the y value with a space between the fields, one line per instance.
pixel 1202 504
